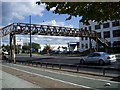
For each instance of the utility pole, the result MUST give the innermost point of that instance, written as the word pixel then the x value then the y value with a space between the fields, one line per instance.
pixel 30 37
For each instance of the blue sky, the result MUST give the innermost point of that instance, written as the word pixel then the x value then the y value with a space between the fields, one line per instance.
pixel 13 11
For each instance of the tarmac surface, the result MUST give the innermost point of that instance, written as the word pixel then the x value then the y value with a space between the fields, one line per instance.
pixel 57 79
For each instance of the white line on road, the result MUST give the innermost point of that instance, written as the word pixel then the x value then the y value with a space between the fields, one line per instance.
pixel 71 75
pixel 52 78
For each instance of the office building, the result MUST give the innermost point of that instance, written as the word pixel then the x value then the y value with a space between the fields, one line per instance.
pixel 110 30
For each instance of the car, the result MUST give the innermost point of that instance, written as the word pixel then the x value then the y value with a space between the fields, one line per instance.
pixel 4 54
pixel 100 58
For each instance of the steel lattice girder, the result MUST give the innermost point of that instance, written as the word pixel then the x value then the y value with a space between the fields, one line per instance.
pixel 37 29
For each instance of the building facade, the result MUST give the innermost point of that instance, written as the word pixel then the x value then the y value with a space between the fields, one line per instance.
pixel 109 30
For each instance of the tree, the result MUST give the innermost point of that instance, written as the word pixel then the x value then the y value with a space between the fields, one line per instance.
pixel 47 49
pixel 25 48
pixel 94 11
pixel 36 46
pixel 7 47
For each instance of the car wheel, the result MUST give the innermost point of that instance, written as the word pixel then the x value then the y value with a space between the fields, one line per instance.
pixel 82 61
pixel 101 62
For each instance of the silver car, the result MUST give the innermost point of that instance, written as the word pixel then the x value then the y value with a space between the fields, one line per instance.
pixel 98 57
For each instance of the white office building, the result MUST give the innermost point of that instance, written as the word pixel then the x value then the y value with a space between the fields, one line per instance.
pixel 0 43
pixel 109 30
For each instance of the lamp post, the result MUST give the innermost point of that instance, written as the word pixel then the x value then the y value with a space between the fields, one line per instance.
pixel 30 37
pixel 79 37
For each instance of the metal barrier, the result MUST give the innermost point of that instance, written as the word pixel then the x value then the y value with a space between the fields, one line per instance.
pixel 61 66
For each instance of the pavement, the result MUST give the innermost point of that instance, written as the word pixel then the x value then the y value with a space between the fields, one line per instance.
pixel 11 81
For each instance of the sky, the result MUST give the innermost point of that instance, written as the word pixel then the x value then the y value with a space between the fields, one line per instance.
pixel 14 11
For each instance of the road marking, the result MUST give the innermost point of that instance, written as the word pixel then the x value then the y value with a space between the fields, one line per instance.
pixel 52 78
pixel 71 75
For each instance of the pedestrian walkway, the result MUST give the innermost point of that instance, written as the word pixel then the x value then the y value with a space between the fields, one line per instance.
pixel 10 81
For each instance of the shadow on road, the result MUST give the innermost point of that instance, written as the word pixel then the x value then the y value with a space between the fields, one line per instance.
pixel 116 79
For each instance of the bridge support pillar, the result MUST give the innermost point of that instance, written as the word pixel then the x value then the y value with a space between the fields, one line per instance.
pixel 12 48
pixel 90 45
pixel 11 55
pixel 96 44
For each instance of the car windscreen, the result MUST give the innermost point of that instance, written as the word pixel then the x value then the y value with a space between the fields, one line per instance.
pixel 104 54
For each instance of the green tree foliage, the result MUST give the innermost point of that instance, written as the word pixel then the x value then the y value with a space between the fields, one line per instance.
pixel 47 49
pixel 7 47
pixel 36 46
pixel 97 11
pixel 25 48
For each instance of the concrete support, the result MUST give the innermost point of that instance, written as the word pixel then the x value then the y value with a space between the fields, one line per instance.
pixel 96 44
pixel 12 48
pixel 11 55
pixel 90 45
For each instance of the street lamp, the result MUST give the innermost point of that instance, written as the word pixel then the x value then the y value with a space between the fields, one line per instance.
pixel 30 37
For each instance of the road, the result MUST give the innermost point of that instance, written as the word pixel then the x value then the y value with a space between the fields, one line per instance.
pixel 59 59
pixel 70 79
pixel 74 61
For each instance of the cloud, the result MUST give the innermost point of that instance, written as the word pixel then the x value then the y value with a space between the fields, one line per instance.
pixel 12 11
pixel 55 23
pixel 42 39
pixel 52 9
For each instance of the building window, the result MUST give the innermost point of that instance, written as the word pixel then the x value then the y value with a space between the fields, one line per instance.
pixel 99 34
pixel 116 23
pixel 106 25
pixel 89 27
pixel 86 38
pixel 82 38
pixel 109 43
pixel 82 46
pixel 116 44
pixel 97 26
pixel 86 45
pixel 116 33
pixel 85 28
pixel 107 34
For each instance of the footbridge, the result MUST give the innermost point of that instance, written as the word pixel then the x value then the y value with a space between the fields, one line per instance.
pixel 37 29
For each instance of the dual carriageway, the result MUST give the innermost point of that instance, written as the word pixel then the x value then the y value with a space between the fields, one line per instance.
pixel 57 78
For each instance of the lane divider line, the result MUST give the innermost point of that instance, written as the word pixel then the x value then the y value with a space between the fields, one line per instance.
pixel 51 78
pixel 69 74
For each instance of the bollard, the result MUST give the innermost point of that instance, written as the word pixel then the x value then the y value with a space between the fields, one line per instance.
pixel 41 64
pixel 52 66
pixel 32 63
pixel 77 68
pixel 46 65
pixel 36 64
pixel 60 66
pixel 103 71
pixel 27 62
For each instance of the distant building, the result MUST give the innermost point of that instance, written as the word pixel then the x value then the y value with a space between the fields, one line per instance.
pixel 109 30
pixel 19 43
pixel 73 46
pixel 0 42
pixel 54 47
